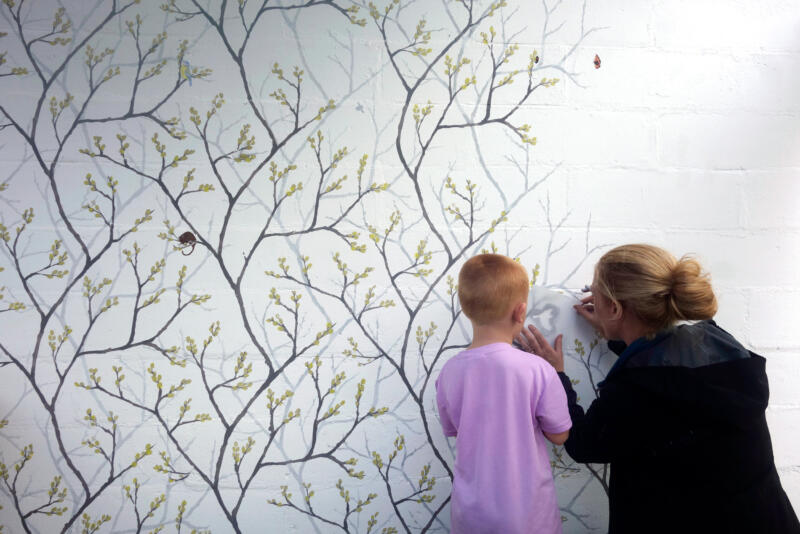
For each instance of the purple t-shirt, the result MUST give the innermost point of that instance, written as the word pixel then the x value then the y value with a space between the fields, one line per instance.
pixel 497 400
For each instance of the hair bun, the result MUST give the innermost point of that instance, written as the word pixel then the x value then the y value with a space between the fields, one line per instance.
pixel 691 296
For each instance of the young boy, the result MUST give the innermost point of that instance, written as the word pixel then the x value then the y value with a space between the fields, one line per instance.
pixel 500 403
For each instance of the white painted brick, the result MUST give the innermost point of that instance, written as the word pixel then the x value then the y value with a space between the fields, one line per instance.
pixel 678 79
pixel 783 370
pixel 612 237
pixel 733 312
pixel 595 137
pixel 771 199
pixel 589 186
pixel 784 427
pixel 624 79
pixel 790 480
pixel 613 15
pixel 730 141
pixel 718 80
pixel 707 24
pixel 601 137
pixel 774 314
pixel 641 198
pixel 739 259
pixel 692 194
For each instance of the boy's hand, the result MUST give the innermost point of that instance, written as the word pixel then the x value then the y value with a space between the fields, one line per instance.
pixel 531 340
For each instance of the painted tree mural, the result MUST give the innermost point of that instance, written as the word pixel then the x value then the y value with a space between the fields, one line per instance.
pixel 231 233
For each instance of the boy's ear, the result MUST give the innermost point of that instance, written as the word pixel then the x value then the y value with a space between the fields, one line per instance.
pixel 518 312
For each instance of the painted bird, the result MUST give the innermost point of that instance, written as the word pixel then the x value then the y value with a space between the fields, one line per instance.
pixel 186 72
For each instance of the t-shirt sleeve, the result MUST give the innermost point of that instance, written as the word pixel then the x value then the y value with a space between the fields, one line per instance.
pixel 551 410
pixel 444 416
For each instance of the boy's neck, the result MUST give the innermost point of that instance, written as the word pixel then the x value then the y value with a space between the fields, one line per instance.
pixel 494 333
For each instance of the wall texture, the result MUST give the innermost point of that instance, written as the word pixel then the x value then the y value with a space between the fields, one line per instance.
pixel 334 162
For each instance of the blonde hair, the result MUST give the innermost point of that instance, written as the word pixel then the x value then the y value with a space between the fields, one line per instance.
pixel 489 285
pixel 656 286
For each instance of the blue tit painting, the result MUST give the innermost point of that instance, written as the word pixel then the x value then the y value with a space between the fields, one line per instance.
pixel 186 72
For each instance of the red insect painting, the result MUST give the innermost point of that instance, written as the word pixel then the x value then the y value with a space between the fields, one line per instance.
pixel 596 61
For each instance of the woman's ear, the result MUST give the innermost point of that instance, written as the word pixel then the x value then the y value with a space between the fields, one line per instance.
pixel 616 310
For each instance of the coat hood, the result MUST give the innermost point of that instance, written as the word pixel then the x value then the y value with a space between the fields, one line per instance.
pixel 701 367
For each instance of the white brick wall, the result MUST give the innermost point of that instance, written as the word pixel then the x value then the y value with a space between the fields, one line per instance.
pixel 697 110
pixel 688 137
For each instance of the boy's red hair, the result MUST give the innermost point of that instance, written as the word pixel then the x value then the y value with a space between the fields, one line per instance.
pixel 489 285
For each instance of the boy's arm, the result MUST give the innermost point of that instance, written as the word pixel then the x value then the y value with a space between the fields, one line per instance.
pixel 557 439
pixel 444 417
pixel 550 408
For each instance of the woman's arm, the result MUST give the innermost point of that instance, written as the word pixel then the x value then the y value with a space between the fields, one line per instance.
pixel 591 439
pixel 594 436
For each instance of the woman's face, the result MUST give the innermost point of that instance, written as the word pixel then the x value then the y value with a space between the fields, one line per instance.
pixel 604 312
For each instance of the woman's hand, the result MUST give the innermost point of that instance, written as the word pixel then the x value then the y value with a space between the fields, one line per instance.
pixel 586 310
pixel 531 340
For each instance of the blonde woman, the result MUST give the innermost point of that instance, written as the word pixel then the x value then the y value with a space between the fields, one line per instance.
pixel 680 415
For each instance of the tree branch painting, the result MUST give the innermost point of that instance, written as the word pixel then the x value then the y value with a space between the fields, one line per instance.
pixel 277 366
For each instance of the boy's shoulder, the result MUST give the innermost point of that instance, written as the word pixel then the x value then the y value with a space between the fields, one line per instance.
pixel 525 359
pixel 497 354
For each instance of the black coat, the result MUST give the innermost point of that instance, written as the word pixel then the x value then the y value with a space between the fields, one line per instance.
pixel 680 418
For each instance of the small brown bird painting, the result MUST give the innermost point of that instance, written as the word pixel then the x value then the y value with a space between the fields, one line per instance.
pixel 188 242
